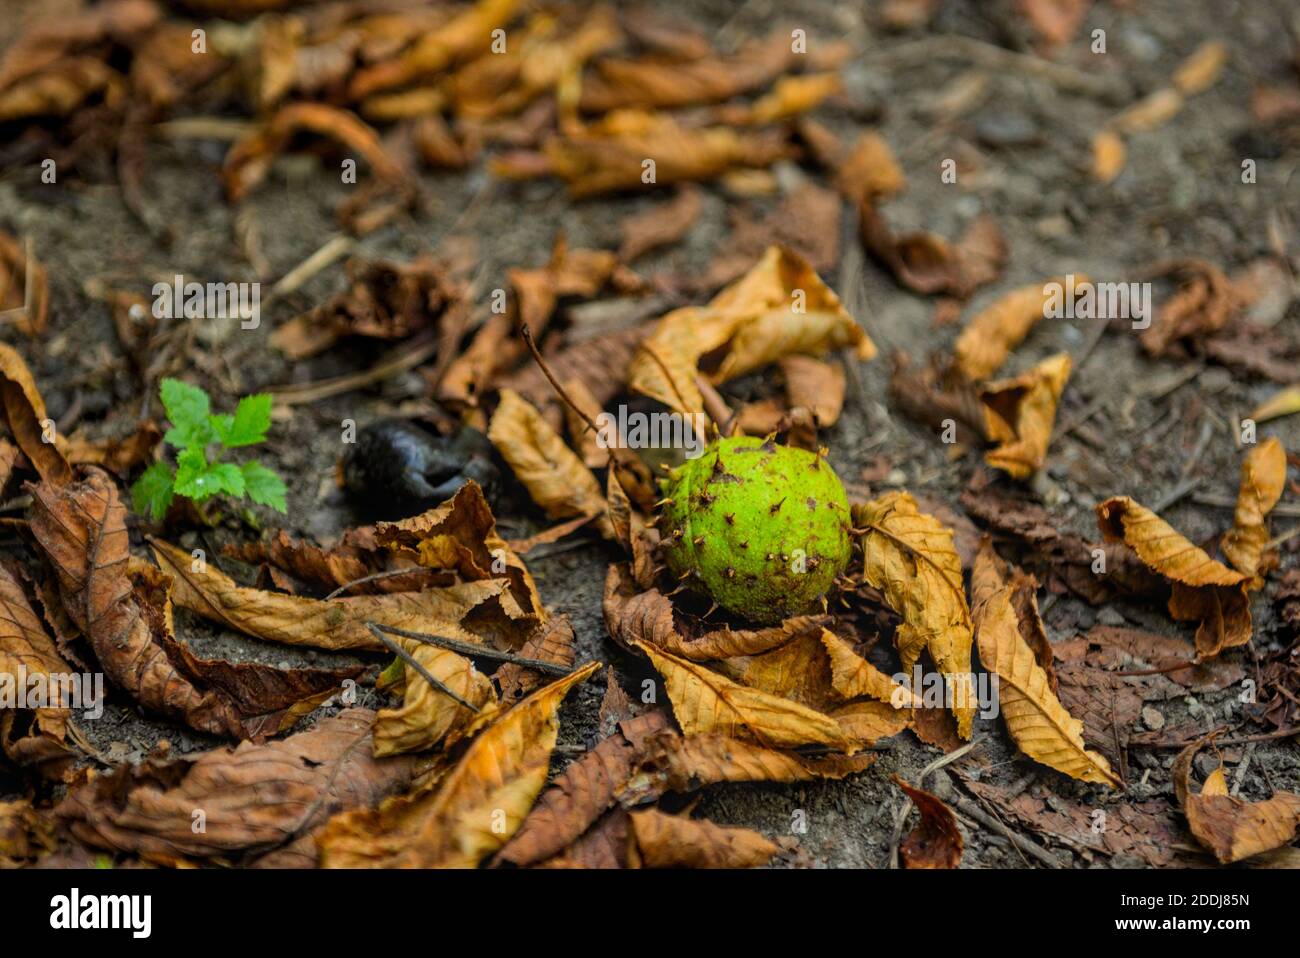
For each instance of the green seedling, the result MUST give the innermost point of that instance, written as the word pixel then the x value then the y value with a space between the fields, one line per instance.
pixel 201 439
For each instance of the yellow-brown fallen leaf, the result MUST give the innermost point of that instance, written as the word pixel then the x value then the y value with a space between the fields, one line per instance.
pixel 788 310
pixel 927 263
pixel 1020 413
pixel 1203 304
pixel 475 809
pixel 1152 111
pixel 1108 156
pixel 324 623
pixel 633 617
pixel 705 702
pixel 118 456
pixel 789 97
pixel 452 40
pixel 1201 68
pixel 610 155
pixel 866 722
pixel 815 385
pixel 798 671
pixel 674 841
pixel 935 841
pixel 869 171
pixel 427 715
pixel 250 159
pixel 683 763
pixel 660 225
pixel 1203 590
pixel 24 287
pixel 24 411
pixel 1285 402
pixel 987 340
pixel 1263 477
pixel 461 534
pixel 253 798
pixel 26 834
pixel 27 652
pixel 852 676
pixel 123 606
pixel 552 473
pixel 1035 717
pixel 582 792
pixel 909 557
pixel 781 307
pixel 1233 828
pixel 615 84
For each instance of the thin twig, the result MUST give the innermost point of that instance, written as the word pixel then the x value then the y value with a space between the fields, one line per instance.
pixel 424 673
pixel 481 651
pixel 389 574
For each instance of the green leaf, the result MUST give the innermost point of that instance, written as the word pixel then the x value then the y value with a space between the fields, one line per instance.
pixel 187 408
pixel 152 492
pixel 249 426
pixel 264 487
pixel 191 475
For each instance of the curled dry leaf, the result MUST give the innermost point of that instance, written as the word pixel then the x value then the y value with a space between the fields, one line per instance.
pixel 675 841
pixel 1108 156
pixel 124 607
pixel 384 300
pixel 24 412
pixel 935 841
pixel 1204 590
pixel 927 263
pixel 816 385
pixel 909 557
pixel 987 340
pixel 1285 402
pixel 1035 717
pixel 474 810
pixel 1203 304
pixel 45 737
pixel 1233 828
pixel 331 623
pixel 427 715
pixel 450 41
pixel 1263 477
pixel 654 83
pixel 461 535
pixel 853 677
pixel 705 702
pixel 660 225
pixel 250 159
pixel 583 792
pixel 683 763
pixel 1020 413
pixel 781 307
pixel 26 834
pixel 551 642
pixel 254 798
pixel 608 156
pixel 119 456
pixel 633 618
pixel 798 671
pixel 24 286
pixel 554 476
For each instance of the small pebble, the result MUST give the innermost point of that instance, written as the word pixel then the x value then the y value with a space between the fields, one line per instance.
pixel 1153 718
pixel 1108 616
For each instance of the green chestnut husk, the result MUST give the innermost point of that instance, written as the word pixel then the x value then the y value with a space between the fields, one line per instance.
pixel 760 528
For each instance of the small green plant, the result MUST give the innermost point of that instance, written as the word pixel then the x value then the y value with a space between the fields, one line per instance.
pixel 195 430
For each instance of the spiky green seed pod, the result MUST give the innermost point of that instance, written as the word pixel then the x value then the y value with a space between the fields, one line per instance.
pixel 762 529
